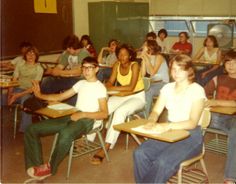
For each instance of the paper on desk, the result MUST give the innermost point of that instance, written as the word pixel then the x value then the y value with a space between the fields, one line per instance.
pixel 141 129
pixel 60 106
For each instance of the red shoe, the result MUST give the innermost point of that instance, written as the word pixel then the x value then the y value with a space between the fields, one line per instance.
pixel 40 172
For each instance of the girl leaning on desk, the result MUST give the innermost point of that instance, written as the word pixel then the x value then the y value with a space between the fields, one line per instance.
pixel 156 161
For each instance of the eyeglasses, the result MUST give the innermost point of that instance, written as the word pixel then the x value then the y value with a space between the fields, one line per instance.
pixel 89 68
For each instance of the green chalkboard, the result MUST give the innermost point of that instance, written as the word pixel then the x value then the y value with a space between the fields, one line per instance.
pixel 125 21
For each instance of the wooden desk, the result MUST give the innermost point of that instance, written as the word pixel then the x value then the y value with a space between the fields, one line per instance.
pixel 169 136
pixel 9 84
pixel 224 110
pixel 51 113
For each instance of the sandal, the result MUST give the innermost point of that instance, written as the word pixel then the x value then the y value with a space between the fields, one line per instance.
pixel 96 160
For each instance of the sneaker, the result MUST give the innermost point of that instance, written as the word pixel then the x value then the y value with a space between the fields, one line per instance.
pixel 40 172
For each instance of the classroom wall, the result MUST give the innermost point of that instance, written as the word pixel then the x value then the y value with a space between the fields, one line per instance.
pixel 193 7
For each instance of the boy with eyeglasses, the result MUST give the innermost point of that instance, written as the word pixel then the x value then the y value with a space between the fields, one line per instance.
pixel 92 108
pixel 225 88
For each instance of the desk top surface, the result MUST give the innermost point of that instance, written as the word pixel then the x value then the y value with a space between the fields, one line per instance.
pixel 224 110
pixel 9 84
pixel 169 136
pixel 52 113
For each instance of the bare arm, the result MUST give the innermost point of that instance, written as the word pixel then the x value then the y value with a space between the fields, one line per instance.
pixel 130 87
pixel 100 55
pixel 112 79
pixel 218 60
pixel 157 109
pixel 101 114
pixel 153 69
pixel 199 54
pixel 52 97
pixel 12 97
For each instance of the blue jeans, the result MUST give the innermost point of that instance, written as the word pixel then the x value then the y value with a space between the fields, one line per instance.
pixel 209 76
pixel 52 84
pixel 227 123
pixel 104 74
pixel 26 119
pixel 154 90
pixel 156 161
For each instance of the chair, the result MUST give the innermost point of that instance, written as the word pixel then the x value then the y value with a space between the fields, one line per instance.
pixel 194 176
pixel 16 108
pixel 147 84
pixel 85 146
pixel 217 144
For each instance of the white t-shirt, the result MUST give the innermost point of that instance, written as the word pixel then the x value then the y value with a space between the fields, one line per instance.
pixel 163 44
pixel 88 95
pixel 179 105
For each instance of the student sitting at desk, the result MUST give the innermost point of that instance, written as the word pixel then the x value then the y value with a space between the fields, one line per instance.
pixel 25 72
pixel 68 71
pixel 108 59
pixel 182 46
pixel 10 65
pixel 128 76
pixel 149 36
pixel 156 161
pixel 92 106
pixel 154 65
pixel 86 43
pixel 161 40
pixel 210 54
pixel 225 88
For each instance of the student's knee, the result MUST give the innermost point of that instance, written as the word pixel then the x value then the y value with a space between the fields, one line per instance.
pixel 30 131
pixel 139 154
pixel 64 138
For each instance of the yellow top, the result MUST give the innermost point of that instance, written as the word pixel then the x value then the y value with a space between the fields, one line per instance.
pixel 126 79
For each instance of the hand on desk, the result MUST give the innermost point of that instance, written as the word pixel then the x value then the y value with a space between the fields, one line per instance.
pixel 210 103
pixel 158 127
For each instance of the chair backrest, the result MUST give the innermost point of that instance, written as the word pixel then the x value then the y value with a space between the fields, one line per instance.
pixel 147 83
pixel 205 118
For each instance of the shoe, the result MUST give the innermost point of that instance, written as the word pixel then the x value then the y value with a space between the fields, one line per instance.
pixel 96 160
pixel 39 172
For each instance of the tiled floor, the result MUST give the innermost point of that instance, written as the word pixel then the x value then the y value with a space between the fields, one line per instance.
pixel 118 170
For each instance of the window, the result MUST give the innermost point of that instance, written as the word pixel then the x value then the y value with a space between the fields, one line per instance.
pixel 196 26
pixel 173 27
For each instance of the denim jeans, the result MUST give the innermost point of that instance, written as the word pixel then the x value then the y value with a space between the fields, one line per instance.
pixel 209 76
pixel 52 84
pixel 154 90
pixel 156 161
pixel 104 74
pixel 26 119
pixel 227 123
pixel 68 131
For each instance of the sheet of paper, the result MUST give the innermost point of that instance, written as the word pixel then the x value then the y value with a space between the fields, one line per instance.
pixel 145 131
pixel 60 106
